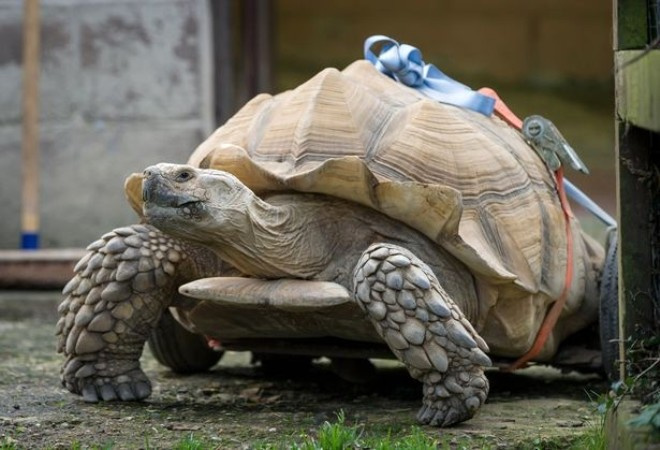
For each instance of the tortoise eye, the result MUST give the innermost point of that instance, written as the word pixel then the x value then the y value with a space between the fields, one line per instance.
pixel 184 176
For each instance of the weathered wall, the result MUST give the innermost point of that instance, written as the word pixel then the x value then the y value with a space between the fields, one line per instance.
pixel 124 84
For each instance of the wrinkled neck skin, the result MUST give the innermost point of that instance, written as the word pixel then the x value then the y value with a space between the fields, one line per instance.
pixel 267 241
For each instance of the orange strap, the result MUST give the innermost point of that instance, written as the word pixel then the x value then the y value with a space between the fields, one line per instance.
pixel 553 314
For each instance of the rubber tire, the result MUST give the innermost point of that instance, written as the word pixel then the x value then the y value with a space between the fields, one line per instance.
pixel 179 349
pixel 609 309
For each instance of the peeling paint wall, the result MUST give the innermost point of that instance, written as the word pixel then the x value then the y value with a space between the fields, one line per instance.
pixel 124 84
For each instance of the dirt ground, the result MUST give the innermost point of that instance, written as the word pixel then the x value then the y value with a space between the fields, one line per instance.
pixel 235 405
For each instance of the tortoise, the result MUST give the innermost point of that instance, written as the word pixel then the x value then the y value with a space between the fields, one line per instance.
pixel 351 211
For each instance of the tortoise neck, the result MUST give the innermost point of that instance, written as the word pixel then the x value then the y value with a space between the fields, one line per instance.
pixel 273 241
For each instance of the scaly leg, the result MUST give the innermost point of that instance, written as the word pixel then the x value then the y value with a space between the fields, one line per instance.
pixel 426 330
pixel 116 297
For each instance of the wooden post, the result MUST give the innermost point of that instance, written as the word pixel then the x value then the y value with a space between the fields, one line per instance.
pixel 638 165
pixel 30 142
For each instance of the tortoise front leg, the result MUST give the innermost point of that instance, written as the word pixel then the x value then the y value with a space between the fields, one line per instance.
pixel 116 297
pixel 426 330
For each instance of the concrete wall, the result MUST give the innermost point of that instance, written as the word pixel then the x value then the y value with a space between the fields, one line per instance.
pixel 124 84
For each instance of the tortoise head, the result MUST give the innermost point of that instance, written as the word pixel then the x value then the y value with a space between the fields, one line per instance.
pixel 191 203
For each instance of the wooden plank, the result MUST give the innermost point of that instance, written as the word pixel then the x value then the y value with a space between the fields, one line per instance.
pixel 630 24
pixel 30 140
pixel 638 88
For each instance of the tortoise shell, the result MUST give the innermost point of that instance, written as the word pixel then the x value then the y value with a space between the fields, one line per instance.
pixel 469 182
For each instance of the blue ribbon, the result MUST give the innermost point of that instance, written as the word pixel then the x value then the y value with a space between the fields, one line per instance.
pixel 404 63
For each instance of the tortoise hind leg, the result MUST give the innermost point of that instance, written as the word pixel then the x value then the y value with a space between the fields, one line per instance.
pixel 116 297
pixel 425 330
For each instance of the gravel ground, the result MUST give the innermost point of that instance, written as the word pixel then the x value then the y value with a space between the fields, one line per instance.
pixel 235 405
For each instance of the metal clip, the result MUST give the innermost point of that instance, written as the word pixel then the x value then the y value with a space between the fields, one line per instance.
pixel 548 142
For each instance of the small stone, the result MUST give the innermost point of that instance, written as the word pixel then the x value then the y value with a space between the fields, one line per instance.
pixel 116 292
pixel 399 260
pixel 123 311
pixel 394 280
pixel 414 331
pixel 89 342
pixel 395 339
pixel 84 316
pixel 416 357
pixel 101 323
pixel 437 305
pixel 110 337
pixel 459 335
pixel 377 310
pixel 417 277
pixel 407 300
pixel 380 253
pixel 115 245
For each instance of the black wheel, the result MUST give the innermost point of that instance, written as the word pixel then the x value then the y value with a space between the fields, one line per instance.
pixel 609 308
pixel 179 349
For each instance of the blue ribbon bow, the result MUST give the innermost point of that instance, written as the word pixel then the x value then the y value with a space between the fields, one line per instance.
pixel 404 63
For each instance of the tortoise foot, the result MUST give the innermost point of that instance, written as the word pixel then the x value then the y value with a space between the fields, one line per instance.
pixel 105 381
pixel 452 398
pixel 426 330
pixel 116 297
